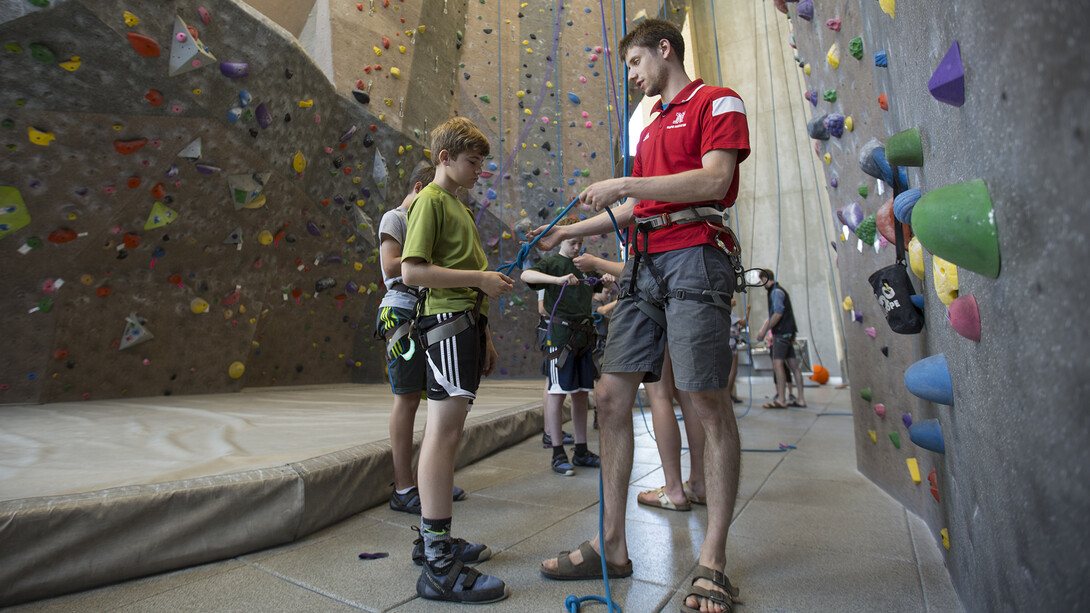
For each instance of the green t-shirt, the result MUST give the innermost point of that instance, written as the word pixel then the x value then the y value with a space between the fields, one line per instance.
pixel 575 302
pixel 441 232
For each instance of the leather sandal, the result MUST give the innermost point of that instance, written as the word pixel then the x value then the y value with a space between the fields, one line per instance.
pixel 691 497
pixel 725 595
pixel 589 568
pixel 662 501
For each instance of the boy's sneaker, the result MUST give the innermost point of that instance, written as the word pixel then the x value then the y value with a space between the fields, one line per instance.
pixel 589 458
pixel 463 550
pixel 409 502
pixel 547 441
pixel 561 466
pixel 460 583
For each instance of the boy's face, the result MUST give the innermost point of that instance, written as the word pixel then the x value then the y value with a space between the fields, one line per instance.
pixel 465 169
pixel 571 247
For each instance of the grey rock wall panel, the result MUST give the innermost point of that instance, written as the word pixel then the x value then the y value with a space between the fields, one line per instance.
pixel 1013 494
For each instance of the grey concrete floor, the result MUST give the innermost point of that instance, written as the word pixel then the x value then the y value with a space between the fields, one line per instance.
pixel 810 534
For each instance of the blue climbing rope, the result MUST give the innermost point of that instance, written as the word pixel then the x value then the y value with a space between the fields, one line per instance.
pixel 524 249
pixel 572 603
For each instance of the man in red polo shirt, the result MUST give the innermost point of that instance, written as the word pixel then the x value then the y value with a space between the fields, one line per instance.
pixel 676 287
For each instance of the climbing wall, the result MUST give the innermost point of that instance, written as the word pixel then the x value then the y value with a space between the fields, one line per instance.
pixel 968 422
pixel 190 200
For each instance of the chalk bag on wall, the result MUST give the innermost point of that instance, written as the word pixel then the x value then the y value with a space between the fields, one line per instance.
pixel 893 290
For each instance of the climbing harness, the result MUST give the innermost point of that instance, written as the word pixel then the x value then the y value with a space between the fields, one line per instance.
pixel 459 323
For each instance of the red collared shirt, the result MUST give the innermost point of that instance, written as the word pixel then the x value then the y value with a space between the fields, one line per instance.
pixel 702 118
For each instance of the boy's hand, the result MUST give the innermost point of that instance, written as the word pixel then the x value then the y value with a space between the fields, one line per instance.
pixel 495 284
pixel 491 358
pixel 608 278
pixel 550 239
pixel 568 279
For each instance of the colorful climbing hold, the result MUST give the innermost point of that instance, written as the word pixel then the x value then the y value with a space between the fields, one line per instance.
pixel 964 317
pixel 41 53
pixel 234 70
pixel 947 83
pixel 299 162
pixel 929 379
pixel 889 7
pixel 865 394
pixel 914 469
pixel 905 148
pixel 72 65
pixel 895 438
pixel 957 223
pixel 40 137
pixel 881 59
pixel 236 370
pixel 945 276
pixel 143 45
pixel 883 102
pixel 928 434
pixel 855 47
pixel 833 56
pixel 880 410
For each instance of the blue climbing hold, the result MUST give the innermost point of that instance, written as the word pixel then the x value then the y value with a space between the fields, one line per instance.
pixel 903 203
pixel 928 434
pixel 573 98
pixel 917 301
pixel 880 59
pixel 930 379
pixel 491 194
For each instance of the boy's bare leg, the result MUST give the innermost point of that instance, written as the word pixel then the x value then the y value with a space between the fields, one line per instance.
pixel 554 409
pixel 402 420
pixel 579 407
pixel 660 394
pixel 435 476
pixel 722 454
pixel 615 393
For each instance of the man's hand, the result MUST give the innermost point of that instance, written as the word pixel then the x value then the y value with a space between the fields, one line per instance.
pixel 604 193
pixel 608 278
pixel 491 358
pixel 568 279
pixel 495 284
pixel 587 262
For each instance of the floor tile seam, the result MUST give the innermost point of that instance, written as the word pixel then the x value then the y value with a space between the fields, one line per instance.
pixel 916 559
pixel 824 550
pixel 311 588
pixel 771 472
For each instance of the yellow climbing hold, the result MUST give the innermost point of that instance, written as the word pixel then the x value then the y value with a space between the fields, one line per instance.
pixel 265 237
pixel 913 469
pixel 73 64
pixel 305 104
pixel 833 56
pixel 388 101
pixel 849 124
pixel 427 153
pixel 549 84
pixel 529 112
pixel 378 50
pixel 130 19
pixel 256 203
pixel 828 158
pixel 298 162
pixel 520 93
pixel 40 137
pixel 847 304
pixel 806 68
pixel 236 370
pixel 395 72
pixel 889 7
pixel 420 29
pixel 506 234
pixel 522 213
pixel 198 306
pixel 358 266
pixel 401 48
pixel 945 538
pixel 915 257
pixel 873 436
pixel 401 150
pixel 946 279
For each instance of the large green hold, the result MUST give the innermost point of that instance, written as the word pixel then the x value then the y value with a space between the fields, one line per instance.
pixel 855 47
pixel 905 148
pixel 957 223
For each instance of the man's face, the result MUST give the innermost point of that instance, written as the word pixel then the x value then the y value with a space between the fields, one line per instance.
pixel 647 69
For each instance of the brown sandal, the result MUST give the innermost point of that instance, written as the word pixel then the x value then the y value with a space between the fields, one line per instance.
pixel 693 498
pixel 722 584
pixel 589 568
pixel 662 501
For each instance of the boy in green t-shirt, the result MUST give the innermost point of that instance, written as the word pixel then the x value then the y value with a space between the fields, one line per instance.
pixel 569 361
pixel 443 253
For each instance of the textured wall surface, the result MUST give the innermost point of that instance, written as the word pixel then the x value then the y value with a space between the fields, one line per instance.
pixel 534 79
pixel 1012 488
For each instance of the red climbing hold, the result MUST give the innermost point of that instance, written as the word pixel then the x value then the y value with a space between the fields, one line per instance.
pixel 133 182
pixel 883 102
pixel 103 291
pixel 144 45
pixel 385 4
pixel 385 43
pixel 125 147
pixel 130 240
pixel 175 278
pixel 159 191
pixel 154 97
pixel 359 6
pixel 62 235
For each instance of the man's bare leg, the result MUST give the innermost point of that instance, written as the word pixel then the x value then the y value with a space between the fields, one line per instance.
pixel 722 461
pixel 615 394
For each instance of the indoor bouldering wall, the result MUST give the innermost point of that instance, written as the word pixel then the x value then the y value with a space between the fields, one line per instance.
pixel 975 423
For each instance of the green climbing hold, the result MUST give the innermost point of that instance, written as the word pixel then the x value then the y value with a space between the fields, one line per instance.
pixel 867 229
pixel 855 47
pixel 896 438
pixel 34 242
pixel 485 99
pixel 905 148
pixel 863 191
pixel 41 3
pixel 829 95
pixel 865 394
pixel 45 305
pixel 42 53
pixel 8 123
pixel 585 172
pixel 459 35
pixel 957 223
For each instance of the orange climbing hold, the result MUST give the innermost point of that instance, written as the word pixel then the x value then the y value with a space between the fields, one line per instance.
pixel 133 182
pixel 144 45
pixel 62 235
pixel 154 97
pixel 125 147
pixel 130 240
pixel 159 191
pixel 883 102
pixel 385 43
